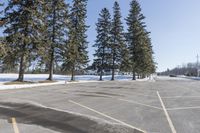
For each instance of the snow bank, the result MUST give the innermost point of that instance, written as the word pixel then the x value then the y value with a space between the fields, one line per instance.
pixel 60 78
pixel 179 77
pixel 193 78
pixel 40 77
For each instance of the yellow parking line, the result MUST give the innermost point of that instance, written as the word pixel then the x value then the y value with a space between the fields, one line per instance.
pixel 14 123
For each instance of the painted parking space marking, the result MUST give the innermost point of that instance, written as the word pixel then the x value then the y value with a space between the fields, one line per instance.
pixel 130 101
pixel 138 94
pixel 14 123
pixel 183 108
pixel 107 116
pixel 166 114
pixel 146 105
pixel 176 97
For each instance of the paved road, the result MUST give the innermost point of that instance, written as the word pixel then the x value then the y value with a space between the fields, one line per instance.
pixel 163 106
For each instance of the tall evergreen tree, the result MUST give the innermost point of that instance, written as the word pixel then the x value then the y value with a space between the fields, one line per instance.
pixel 2 47
pixel 103 41
pixel 23 28
pixel 1 12
pixel 135 30
pixel 57 21
pixel 140 50
pixel 76 47
pixel 117 39
pixel 125 65
pixel 143 52
pixel 1 4
pixel 147 63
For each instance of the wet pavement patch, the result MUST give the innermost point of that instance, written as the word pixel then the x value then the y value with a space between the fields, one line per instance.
pixel 64 122
pixel 109 94
pixel 104 94
pixel 90 95
pixel 113 87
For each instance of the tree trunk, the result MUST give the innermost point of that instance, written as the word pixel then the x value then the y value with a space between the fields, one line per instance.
pixel 21 69
pixel 101 73
pixel 22 58
pixel 133 76
pixel 143 76
pixel 51 66
pixel 102 66
pixel 72 77
pixel 113 70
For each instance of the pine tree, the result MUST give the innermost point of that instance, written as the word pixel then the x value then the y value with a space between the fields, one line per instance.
pixel 23 29
pixel 148 64
pixel 143 56
pixel 57 21
pixel 1 4
pixel 103 41
pixel 145 60
pixel 75 55
pixel 125 65
pixel 2 48
pixel 140 49
pixel 134 21
pixel 1 12
pixel 117 39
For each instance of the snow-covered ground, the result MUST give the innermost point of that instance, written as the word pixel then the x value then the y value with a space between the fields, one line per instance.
pixel 61 79
pixel 179 77
pixel 193 78
pixel 170 78
pixel 41 77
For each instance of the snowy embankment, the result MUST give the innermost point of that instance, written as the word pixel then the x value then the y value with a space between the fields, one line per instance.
pixel 61 79
pixel 178 77
pixel 192 78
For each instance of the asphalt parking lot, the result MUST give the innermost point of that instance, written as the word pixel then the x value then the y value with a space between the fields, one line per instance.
pixel 163 106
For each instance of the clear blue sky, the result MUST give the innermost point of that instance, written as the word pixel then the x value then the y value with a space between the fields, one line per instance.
pixel 174 27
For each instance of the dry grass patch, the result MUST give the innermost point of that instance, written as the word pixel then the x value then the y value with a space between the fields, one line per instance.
pixel 48 81
pixel 73 81
pixel 18 83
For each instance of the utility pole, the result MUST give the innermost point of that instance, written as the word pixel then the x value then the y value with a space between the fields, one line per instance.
pixel 198 69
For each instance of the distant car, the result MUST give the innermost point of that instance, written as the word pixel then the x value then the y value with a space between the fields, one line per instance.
pixel 171 75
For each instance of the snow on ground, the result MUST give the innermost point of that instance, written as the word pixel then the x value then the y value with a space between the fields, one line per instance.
pixel 170 78
pixel 42 77
pixel 60 78
pixel 193 78
pixel 179 77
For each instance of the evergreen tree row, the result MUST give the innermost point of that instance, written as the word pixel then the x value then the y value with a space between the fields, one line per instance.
pixel 47 31
pixel 129 51
pixel 53 33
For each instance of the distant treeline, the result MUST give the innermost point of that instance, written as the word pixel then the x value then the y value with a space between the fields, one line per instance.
pixel 190 69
